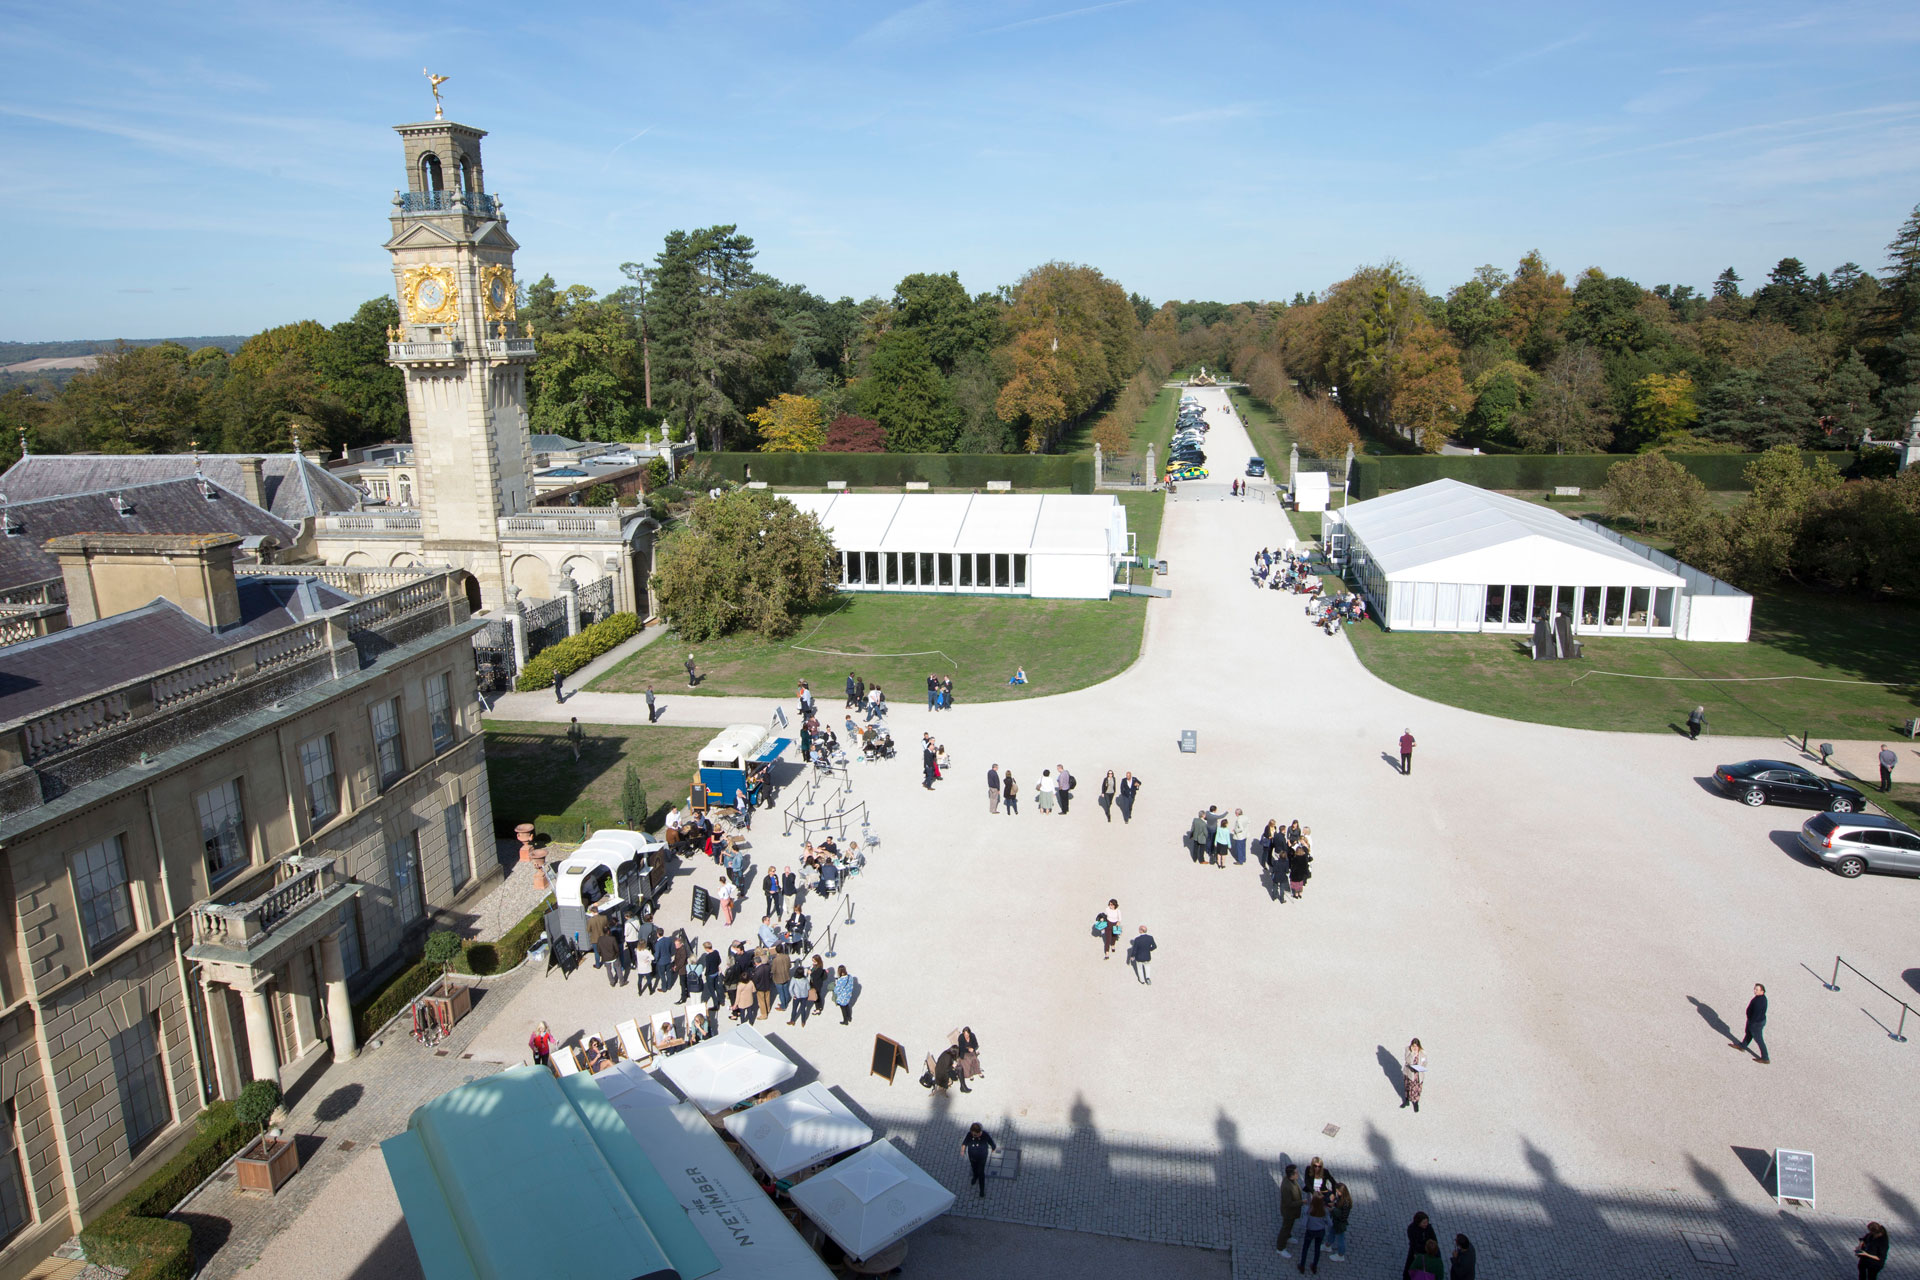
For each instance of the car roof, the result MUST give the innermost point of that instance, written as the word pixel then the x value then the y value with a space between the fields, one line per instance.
pixel 1767 764
pixel 1873 820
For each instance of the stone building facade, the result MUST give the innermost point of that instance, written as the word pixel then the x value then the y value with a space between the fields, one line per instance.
pixel 221 812
pixel 465 355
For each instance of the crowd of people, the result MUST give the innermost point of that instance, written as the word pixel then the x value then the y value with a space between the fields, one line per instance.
pixel 1284 853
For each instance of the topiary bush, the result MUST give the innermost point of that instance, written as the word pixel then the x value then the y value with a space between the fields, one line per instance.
pixel 442 946
pixel 254 1107
pixel 575 652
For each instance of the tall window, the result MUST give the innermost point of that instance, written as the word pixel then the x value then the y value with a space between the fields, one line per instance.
pixel 101 890
pixel 459 865
pixel 222 829
pixel 403 859
pixel 386 741
pixel 144 1106
pixel 16 1211
pixel 353 958
pixel 440 710
pixel 323 787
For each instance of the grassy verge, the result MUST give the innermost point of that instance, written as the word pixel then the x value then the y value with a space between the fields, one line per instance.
pixel 1156 425
pixel 534 777
pixel 1271 439
pixel 1306 525
pixel 1144 514
pixel 1795 633
pixel 1063 644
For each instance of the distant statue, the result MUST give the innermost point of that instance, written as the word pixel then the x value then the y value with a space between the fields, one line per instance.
pixel 393 333
pixel 435 82
pixel 528 326
pixel 500 330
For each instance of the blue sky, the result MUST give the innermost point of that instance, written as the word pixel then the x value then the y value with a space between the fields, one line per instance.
pixel 213 168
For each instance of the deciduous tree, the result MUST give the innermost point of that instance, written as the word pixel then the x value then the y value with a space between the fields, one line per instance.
pixel 1429 396
pixel 1567 412
pixel 1654 490
pixel 747 560
pixel 1663 408
pixel 906 395
pixel 850 434
pixel 791 424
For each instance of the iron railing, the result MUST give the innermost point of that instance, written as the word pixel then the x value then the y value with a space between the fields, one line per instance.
pixel 596 601
pixel 1899 1033
pixel 446 201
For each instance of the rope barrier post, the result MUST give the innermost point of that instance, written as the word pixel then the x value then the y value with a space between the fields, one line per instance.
pixel 1901 1034
pixel 1835 984
pixel 849 919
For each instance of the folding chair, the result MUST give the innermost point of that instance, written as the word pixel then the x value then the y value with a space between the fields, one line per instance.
pixel 566 1060
pixel 632 1043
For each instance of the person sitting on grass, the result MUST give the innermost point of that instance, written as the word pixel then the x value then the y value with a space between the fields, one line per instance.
pixel 1019 676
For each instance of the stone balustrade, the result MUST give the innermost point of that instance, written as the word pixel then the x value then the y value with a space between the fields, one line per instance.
pixel 400 522
pixel 298 882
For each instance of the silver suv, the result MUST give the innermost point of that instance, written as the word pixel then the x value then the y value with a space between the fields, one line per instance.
pixel 1851 843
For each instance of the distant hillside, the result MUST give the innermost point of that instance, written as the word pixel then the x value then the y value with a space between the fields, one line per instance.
pixel 18 352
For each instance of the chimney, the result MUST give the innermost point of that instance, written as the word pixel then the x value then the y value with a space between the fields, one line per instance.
pixel 113 573
pixel 253 482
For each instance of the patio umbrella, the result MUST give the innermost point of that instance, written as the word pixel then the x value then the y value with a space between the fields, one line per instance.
pixel 627 1085
pixel 871 1199
pixel 797 1130
pixel 719 1072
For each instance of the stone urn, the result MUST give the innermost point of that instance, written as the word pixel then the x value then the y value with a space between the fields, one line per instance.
pixel 540 880
pixel 524 833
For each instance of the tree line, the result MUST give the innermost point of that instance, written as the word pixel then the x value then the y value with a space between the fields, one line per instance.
pixel 1523 361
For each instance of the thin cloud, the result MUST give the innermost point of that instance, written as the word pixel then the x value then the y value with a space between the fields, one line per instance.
pixel 1530 55
pixel 915 23
pixel 1062 16
pixel 635 138
pixel 1208 115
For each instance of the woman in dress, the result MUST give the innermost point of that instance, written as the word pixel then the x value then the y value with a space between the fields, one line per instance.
pixel 967 1046
pixel 1009 792
pixel 1414 1071
pixel 1043 791
pixel 1112 914
pixel 843 994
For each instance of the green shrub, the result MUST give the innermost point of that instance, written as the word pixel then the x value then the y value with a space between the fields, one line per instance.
pixel 133 1236
pixel 575 652
pixel 658 476
pixel 254 1107
pixel 480 958
pixel 441 948
pixel 1373 476
pixel 514 944
pixel 633 800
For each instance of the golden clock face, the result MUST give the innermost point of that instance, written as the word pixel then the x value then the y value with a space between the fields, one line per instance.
pixel 496 291
pixel 431 295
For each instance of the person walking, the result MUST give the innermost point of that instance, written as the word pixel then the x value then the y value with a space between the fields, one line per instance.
pixel 1696 721
pixel 1313 1234
pixel 1756 1025
pixel 1406 752
pixel 559 693
pixel 1237 838
pixel 1290 1204
pixel 1464 1263
pixel 1339 1210
pixel 576 735
pixel 977 1143
pixel 1109 789
pixel 1199 839
pixel 852 702
pixel 1112 913
pixel 1887 760
pixel 1129 788
pixel 843 994
pixel 1871 1251
pixel 1010 793
pixel 1419 1235
pixel 652 714
pixel 1140 956
pixel 1043 792
pixel 993 787
pixel 929 763
pixel 1413 1070
pixel 1063 786
pixel 541 1043
pixel 693 677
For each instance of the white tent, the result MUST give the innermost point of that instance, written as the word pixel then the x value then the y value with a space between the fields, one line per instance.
pixel 871 1199
pixel 1063 546
pixel 729 1068
pixel 1448 556
pixel 629 1087
pixel 798 1130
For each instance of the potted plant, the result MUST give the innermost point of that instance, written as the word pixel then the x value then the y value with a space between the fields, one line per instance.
pixel 451 999
pixel 269 1159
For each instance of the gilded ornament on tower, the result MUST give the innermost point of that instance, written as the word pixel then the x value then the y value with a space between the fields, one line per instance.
pixel 497 291
pixel 431 294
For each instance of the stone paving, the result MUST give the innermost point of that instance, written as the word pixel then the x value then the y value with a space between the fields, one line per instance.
pixel 1568 920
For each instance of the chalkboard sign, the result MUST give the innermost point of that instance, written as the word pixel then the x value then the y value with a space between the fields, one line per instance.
pixel 702 903
pixel 888 1057
pixel 1793 1176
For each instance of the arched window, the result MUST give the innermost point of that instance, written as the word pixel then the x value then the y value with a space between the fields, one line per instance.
pixel 430 179
pixel 466 176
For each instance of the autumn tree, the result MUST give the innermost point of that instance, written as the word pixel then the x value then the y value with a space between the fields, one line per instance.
pixel 1429 396
pixel 1038 387
pixel 1073 340
pixel 791 424
pixel 1654 490
pixel 1364 328
pixel 1320 427
pixel 849 433
pixel 1663 408
pixel 1567 412
pixel 1536 303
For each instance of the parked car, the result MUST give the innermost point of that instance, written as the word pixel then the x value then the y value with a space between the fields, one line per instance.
pixel 1856 842
pixel 1758 782
pixel 1187 455
pixel 1186 473
pixel 1256 467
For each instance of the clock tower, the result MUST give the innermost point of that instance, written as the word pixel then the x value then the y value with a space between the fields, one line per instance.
pixel 463 353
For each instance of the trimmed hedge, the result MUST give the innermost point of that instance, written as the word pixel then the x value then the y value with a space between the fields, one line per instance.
pixel 396 994
pixel 135 1235
pixel 514 944
pixel 576 651
pixel 1374 475
pixel 892 470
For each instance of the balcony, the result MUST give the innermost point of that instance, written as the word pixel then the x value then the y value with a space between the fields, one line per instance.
pixel 569 522
pixel 305 891
pixel 510 348
pixel 398 522
pixel 476 203
pixel 445 350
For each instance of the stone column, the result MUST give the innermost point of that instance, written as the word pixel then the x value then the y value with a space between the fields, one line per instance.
pixel 333 972
pixel 570 592
pixel 1099 469
pixel 266 1066
pixel 517 624
pixel 226 1061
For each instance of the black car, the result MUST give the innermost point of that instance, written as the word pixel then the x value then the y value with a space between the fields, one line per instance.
pixel 1758 782
pixel 1191 457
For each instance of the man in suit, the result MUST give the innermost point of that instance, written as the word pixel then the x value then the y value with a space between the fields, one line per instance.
pixel 1129 788
pixel 993 787
pixel 771 889
pixel 1140 955
pixel 1200 837
pixel 1756 1024
pixel 928 763
pixel 663 965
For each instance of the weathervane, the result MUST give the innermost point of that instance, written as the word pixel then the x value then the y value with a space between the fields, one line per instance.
pixel 435 82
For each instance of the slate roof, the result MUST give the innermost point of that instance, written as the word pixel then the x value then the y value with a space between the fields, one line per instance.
pixel 168 506
pixel 45 672
pixel 296 488
pixel 544 443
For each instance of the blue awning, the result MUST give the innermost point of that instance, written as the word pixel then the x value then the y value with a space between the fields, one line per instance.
pixel 772 751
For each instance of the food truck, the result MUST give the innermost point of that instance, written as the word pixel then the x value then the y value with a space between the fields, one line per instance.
pixel 723 762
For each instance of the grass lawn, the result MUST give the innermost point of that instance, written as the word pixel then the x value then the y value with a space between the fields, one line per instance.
pixel 1063 644
pixel 1144 513
pixel 1306 525
pixel 1156 425
pixel 534 777
pixel 1795 633
pixel 1271 439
